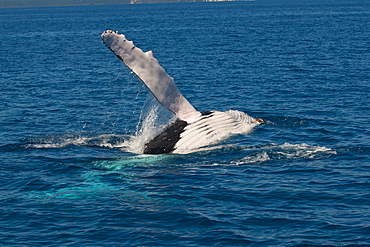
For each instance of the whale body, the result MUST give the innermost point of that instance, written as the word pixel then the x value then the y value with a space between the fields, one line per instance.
pixel 192 129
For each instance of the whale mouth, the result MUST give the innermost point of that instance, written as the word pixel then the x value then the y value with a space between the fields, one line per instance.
pixel 260 120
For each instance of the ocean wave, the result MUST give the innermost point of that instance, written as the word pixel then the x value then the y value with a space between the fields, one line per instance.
pixel 223 155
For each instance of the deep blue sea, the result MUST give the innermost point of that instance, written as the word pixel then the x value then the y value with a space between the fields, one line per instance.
pixel 70 109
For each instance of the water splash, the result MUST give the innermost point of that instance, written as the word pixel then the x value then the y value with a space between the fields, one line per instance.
pixel 153 119
pixel 80 139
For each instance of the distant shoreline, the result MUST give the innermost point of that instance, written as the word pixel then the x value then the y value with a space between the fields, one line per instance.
pixel 58 5
pixel 33 4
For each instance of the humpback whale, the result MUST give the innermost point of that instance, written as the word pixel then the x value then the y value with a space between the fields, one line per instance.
pixel 192 129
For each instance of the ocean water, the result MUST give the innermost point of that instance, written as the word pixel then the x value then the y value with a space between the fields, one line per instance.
pixel 70 111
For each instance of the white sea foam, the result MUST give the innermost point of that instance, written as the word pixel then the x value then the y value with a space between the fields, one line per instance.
pixel 285 151
pixel 257 158
pixel 61 141
pixel 302 150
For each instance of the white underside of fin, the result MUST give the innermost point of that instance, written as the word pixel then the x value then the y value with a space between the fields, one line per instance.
pixel 147 68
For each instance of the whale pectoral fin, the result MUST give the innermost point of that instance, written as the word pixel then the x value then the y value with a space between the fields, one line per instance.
pixel 148 69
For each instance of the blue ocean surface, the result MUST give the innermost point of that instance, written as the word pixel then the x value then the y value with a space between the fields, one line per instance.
pixel 70 112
